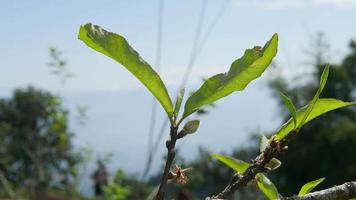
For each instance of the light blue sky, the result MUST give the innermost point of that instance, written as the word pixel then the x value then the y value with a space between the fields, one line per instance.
pixel 28 28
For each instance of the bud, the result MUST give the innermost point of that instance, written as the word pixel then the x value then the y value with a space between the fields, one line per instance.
pixel 191 126
pixel 273 164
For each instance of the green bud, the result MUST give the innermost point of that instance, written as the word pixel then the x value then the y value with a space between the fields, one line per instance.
pixel 191 126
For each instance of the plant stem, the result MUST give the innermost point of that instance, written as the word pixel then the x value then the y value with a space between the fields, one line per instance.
pixel 170 157
pixel 257 165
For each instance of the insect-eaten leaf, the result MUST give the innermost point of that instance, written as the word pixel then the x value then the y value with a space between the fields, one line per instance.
pixel 309 186
pixel 289 104
pixel 235 164
pixel 263 143
pixel 242 71
pixel 273 164
pixel 191 126
pixel 116 47
pixel 321 106
pixel 267 187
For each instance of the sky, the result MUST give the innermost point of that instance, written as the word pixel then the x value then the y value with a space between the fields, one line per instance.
pixel 29 28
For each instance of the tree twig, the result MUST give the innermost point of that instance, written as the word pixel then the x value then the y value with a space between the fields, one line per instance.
pixel 170 157
pixel 345 191
pixel 274 148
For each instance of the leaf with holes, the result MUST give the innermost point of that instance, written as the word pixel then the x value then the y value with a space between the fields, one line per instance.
pixel 116 47
pixel 242 71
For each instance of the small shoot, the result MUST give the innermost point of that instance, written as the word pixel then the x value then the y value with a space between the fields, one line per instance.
pixel 178 103
pixel 273 164
pixel 323 79
pixel 289 104
pixel 235 164
pixel 308 187
pixel 263 143
pixel 267 187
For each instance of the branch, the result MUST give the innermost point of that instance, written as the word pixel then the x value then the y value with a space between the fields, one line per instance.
pixel 257 165
pixel 170 157
pixel 345 191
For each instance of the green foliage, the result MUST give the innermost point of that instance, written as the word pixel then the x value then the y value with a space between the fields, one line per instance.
pixel 310 107
pixel 116 192
pixel 242 71
pixel 325 147
pixel 116 47
pixel 235 164
pixel 35 143
pixel 289 104
pixel 321 106
pixel 309 186
pixel 267 187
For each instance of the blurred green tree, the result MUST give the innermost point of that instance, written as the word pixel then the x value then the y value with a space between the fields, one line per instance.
pixel 36 151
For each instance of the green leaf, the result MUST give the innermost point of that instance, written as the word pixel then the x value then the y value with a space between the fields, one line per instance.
pixel 179 101
pixel 273 164
pixel 191 126
pixel 235 164
pixel 309 186
pixel 267 187
pixel 263 143
pixel 242 71
pixel 323 79
pixel 289 104
pixel 321 106
pixel 116 47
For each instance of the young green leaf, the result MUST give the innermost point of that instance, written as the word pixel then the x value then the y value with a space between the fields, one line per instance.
pixel 191 126
pixel 267 187
pixel 273 164
pixel 263 143
pixel 309 186
pixel 235 164
pixel 321 106
pixel 323 79
pixel 242 71
pixel 179 101
pixel 289 104
pixel 116 47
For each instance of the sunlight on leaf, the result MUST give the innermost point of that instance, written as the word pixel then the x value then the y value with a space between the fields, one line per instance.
pixel 321 106
pixel 323 79
pixel 116 47
pixel 242 71
pixel 267 187
pixel 289 104
pixel 309 186
pixel 235 164
pixel 263 143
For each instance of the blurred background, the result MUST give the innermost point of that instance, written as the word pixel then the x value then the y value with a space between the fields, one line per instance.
pixel 74 124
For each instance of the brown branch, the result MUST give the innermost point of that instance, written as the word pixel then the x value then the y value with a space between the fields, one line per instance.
pixel 170 157
pixel 345 191
pixel 257 165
